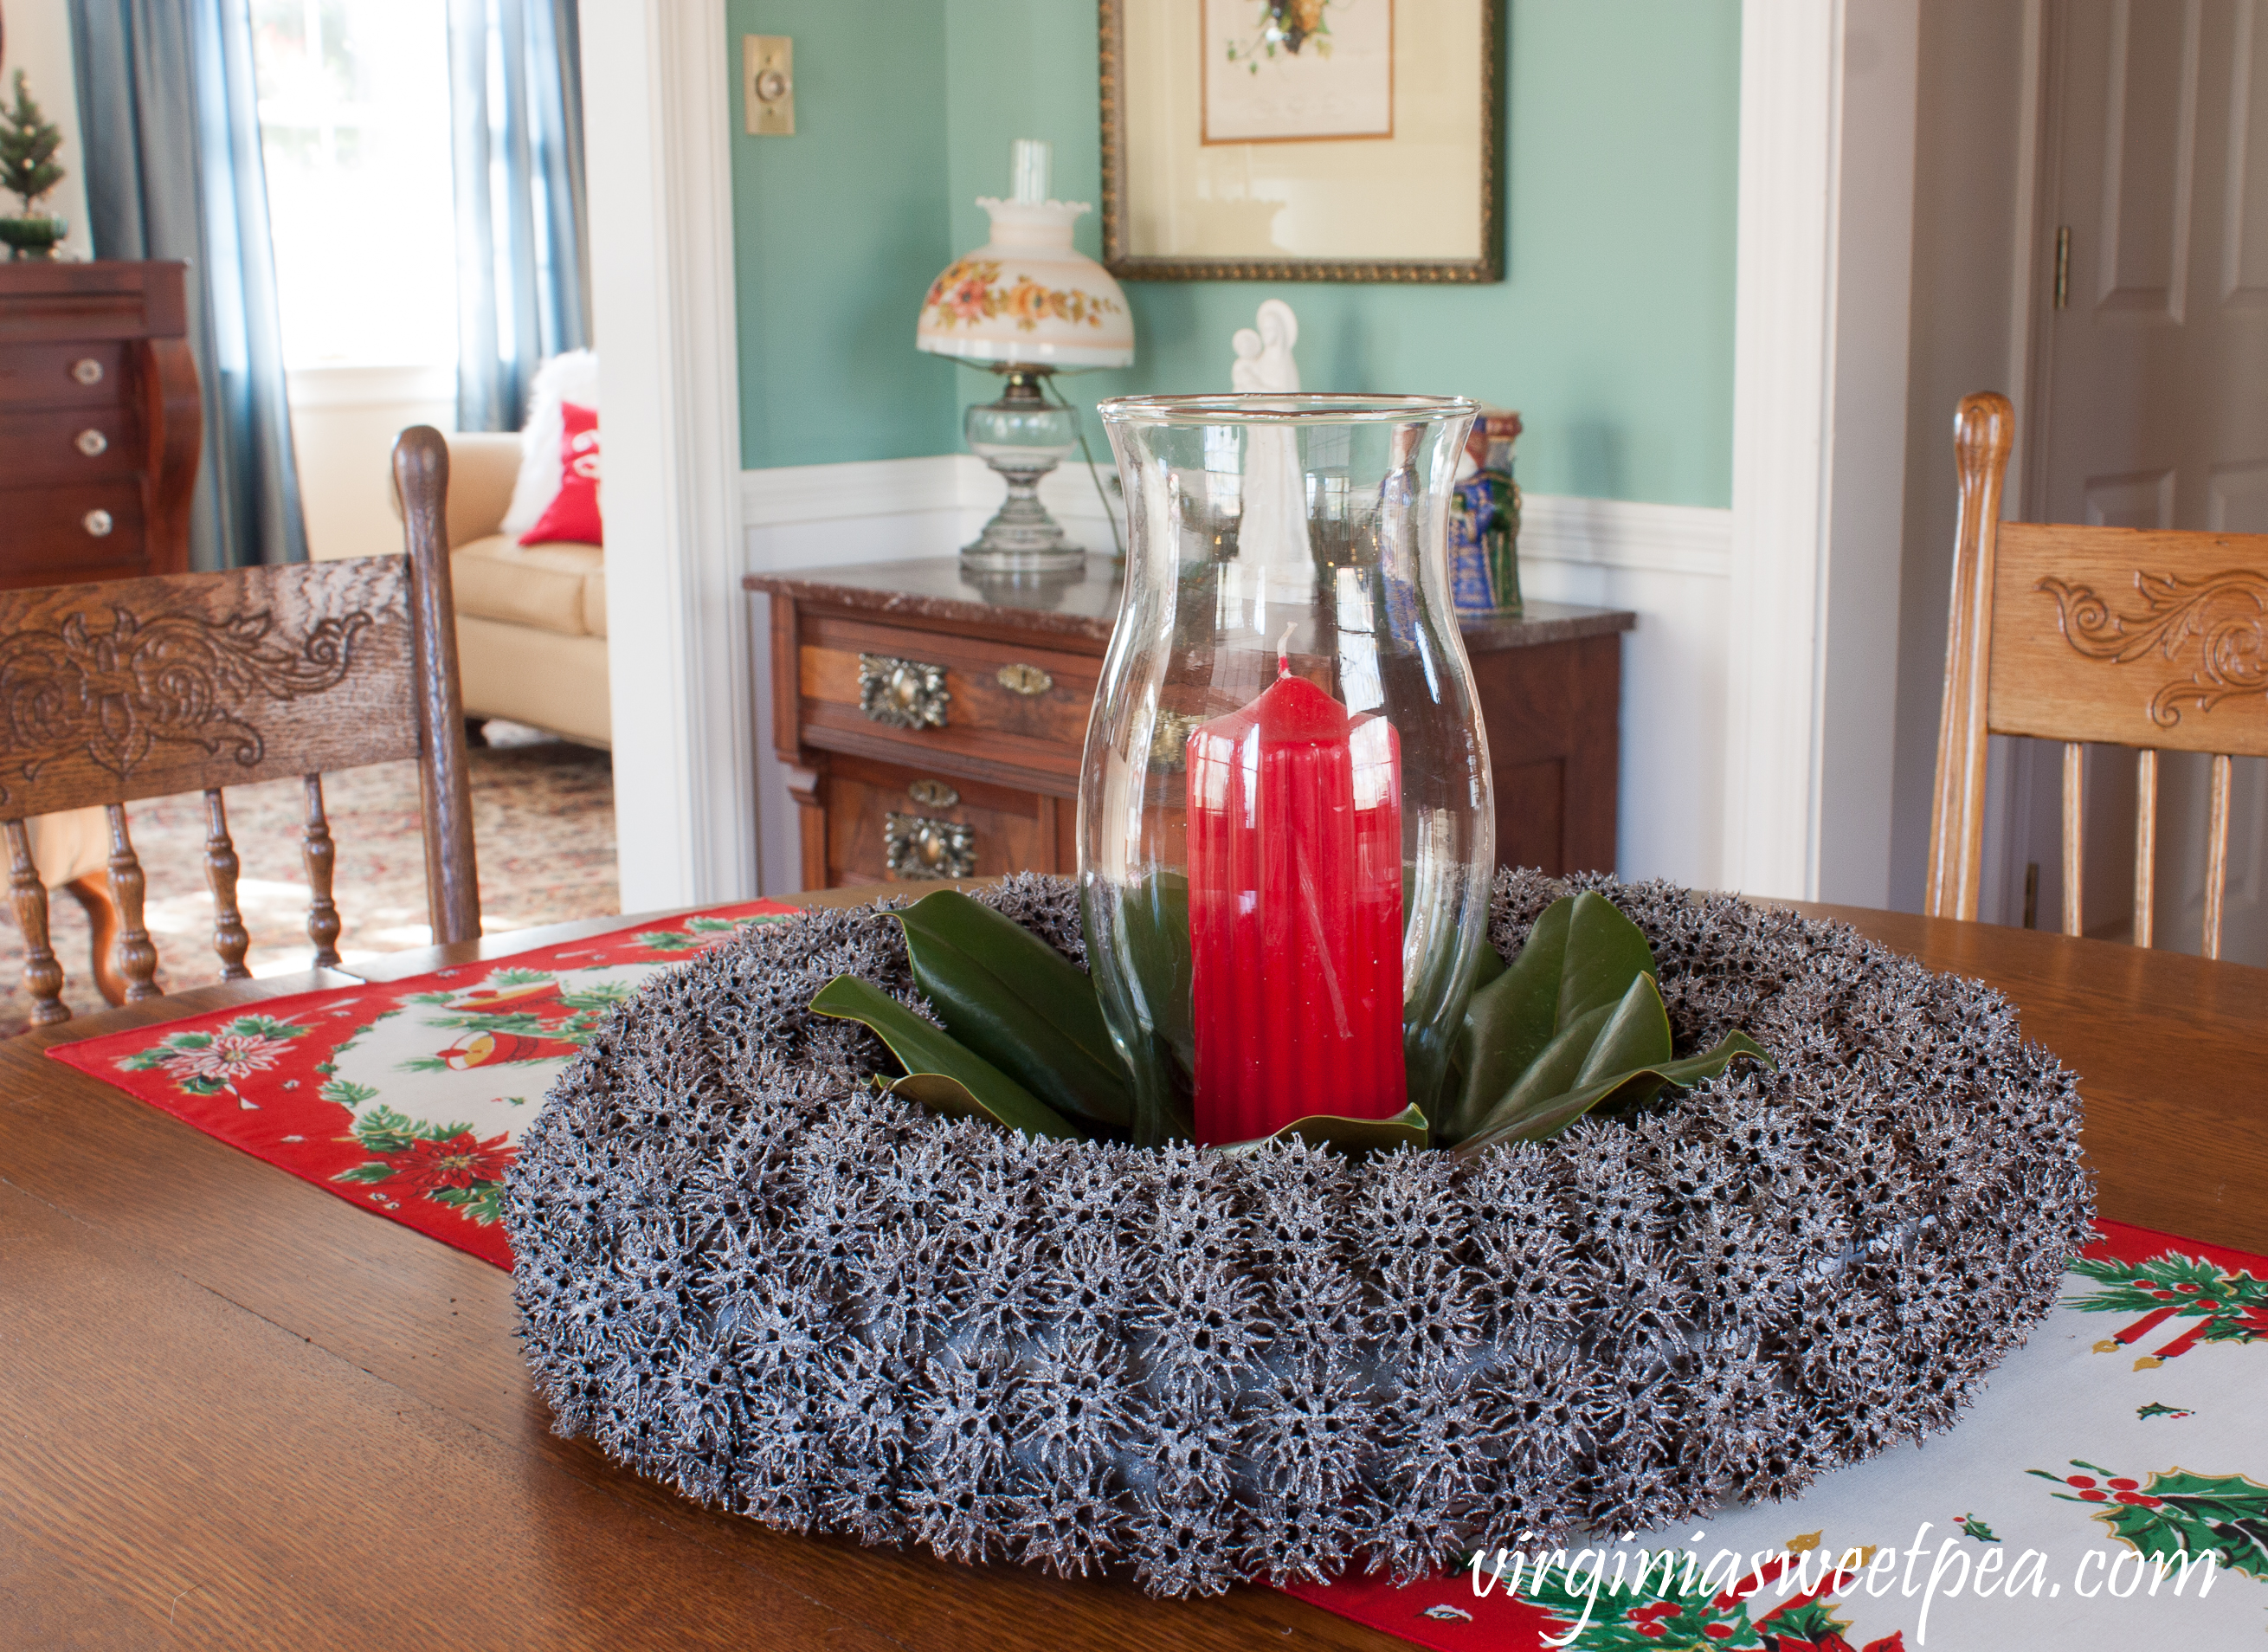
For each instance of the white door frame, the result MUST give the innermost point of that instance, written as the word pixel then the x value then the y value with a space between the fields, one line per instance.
pixel 1824 252
pixel 1819 401
pixel 658 136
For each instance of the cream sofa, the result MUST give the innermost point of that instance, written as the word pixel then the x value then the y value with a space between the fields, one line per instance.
pixel 531 619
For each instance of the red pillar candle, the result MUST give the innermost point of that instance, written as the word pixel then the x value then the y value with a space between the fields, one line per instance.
pixel 1295 913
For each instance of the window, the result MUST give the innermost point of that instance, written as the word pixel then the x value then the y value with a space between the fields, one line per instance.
pixel 354 120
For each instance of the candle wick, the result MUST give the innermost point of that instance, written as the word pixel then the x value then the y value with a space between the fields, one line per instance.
pixel 1283 650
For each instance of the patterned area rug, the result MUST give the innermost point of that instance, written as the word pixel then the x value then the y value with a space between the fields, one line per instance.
pixel 543 826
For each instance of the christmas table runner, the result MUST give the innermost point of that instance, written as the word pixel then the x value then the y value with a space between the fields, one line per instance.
pixel 408 1097
pixel 2074 1506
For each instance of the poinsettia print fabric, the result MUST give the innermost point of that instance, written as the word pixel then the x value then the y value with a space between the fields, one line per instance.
pixel 2133 1425
pixel 407 1098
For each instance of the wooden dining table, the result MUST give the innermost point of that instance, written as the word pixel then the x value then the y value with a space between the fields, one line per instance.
pixel 236 1410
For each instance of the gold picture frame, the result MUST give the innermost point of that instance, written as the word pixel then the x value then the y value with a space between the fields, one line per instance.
pixel 1331 197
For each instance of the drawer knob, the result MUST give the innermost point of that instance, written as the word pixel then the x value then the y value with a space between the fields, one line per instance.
pixel 902 693
pixel 1028 679
pixel 916 846
pixel 1169 740
pixel 933 794
pixel 98 523
pixel 93 444
pixel 87 370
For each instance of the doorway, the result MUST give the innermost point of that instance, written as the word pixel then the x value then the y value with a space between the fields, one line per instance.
pixel 2147 405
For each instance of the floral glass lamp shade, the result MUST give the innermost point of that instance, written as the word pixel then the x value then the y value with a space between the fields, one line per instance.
pixel 1026 304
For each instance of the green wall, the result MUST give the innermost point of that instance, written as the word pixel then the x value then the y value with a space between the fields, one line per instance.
pixel 838 232
pixel 1612 333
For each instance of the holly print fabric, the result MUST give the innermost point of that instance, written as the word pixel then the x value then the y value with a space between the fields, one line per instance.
pixel 407 1098
pixel 2081 1493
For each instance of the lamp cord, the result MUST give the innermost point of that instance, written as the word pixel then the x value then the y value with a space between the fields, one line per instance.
pixel 1079 423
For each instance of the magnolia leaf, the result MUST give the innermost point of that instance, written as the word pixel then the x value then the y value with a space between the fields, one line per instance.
pixel 1507 1022
pixel 1548 1116
pixel 1014 1001
pixel 1554 1071
pixel 1406 1129
pixel 1490 966
pixel 1605 952
pixel 1580 957
pixel 934 1060
pixel 1637 1035
pixel 1145 926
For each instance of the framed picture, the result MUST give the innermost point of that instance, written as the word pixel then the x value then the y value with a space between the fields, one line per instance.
pixel 1300 140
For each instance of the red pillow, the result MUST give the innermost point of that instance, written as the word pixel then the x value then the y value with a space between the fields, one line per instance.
pixel 573 512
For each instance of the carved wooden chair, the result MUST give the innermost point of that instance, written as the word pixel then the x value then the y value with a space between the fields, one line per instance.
pixel 2119 636
pixel 148 688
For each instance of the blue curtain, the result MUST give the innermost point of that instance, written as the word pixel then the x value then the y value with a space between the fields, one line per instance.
pixel 170 150
pixel 523 280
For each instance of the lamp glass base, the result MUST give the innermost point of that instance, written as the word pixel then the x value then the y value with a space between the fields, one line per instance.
pixel 1022 537
pixel 976 559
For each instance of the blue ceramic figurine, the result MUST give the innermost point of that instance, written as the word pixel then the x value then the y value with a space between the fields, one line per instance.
pixel 1484 521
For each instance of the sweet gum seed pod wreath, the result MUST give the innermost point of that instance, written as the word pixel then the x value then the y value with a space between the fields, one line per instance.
pixel 747 1271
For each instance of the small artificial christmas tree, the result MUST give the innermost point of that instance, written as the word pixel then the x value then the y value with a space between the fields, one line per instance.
pixel 28 143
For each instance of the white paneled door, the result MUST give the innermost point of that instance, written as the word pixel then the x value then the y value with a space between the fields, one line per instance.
pixel 2150 408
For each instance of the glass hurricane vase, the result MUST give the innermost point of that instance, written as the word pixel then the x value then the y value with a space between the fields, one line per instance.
pixel 1285 827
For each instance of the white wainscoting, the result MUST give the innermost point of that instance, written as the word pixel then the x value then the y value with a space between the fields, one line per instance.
pixel 1669 564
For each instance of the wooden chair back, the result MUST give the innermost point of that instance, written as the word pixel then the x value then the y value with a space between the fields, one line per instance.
pixel 187 683
pixel 2119 636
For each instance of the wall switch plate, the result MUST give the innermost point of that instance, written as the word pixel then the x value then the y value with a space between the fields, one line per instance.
pixel 767 78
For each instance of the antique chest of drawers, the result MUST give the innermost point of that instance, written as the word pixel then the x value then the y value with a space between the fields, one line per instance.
pixel 933 728
pixel 100 422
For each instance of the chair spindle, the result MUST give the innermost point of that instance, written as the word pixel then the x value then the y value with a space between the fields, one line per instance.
pixel 320 854
pixel 2146 843
pixel 231 939
pixel 43 975
pixel 2075 798
pixel 137 954
pixel 2216 854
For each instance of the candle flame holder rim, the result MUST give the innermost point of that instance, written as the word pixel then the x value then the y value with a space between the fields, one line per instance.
pixel 1266 408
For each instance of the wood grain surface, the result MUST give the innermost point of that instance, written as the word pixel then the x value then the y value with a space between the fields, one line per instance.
pixel 99 411
pixel 2131 635
pixel 1982 430
pixel 149 688
pixel 156 686
pixel 1549 685
pixel 2143 637
pixel 1553 714
pixel 452 884
pixel 1016 831
pixel 263 1417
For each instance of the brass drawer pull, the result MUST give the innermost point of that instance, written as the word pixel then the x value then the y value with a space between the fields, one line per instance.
pixel 93 444
pixel 98 523
pixel 902 693
pixel 1021 679
pixel 87 370
pixel 915 846
pixel 1169 740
